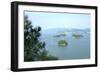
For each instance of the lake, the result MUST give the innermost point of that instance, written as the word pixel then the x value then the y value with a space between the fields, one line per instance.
pixel 77 48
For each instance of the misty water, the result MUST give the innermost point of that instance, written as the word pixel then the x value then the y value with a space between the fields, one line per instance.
pixel 77 48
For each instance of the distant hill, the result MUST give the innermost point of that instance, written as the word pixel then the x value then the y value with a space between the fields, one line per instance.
pixel 60 30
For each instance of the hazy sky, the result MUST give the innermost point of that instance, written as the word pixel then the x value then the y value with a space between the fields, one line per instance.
pixel 49 20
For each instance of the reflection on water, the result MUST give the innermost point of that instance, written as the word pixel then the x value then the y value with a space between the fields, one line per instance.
pixel 78 45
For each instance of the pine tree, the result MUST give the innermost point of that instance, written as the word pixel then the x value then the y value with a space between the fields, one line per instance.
pixel 34 50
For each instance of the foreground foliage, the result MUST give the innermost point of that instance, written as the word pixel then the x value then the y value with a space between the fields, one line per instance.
pixel 34 49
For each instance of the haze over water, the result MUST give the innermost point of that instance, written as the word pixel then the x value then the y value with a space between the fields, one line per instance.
pixel 69 23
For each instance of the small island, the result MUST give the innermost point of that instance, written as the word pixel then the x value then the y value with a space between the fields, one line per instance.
pixel 62 43
pixel 60 34
pixel 77 36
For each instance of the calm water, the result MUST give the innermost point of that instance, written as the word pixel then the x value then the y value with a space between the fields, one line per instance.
pixel 76 48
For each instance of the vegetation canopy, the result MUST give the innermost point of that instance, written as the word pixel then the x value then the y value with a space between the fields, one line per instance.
pixel 34 49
